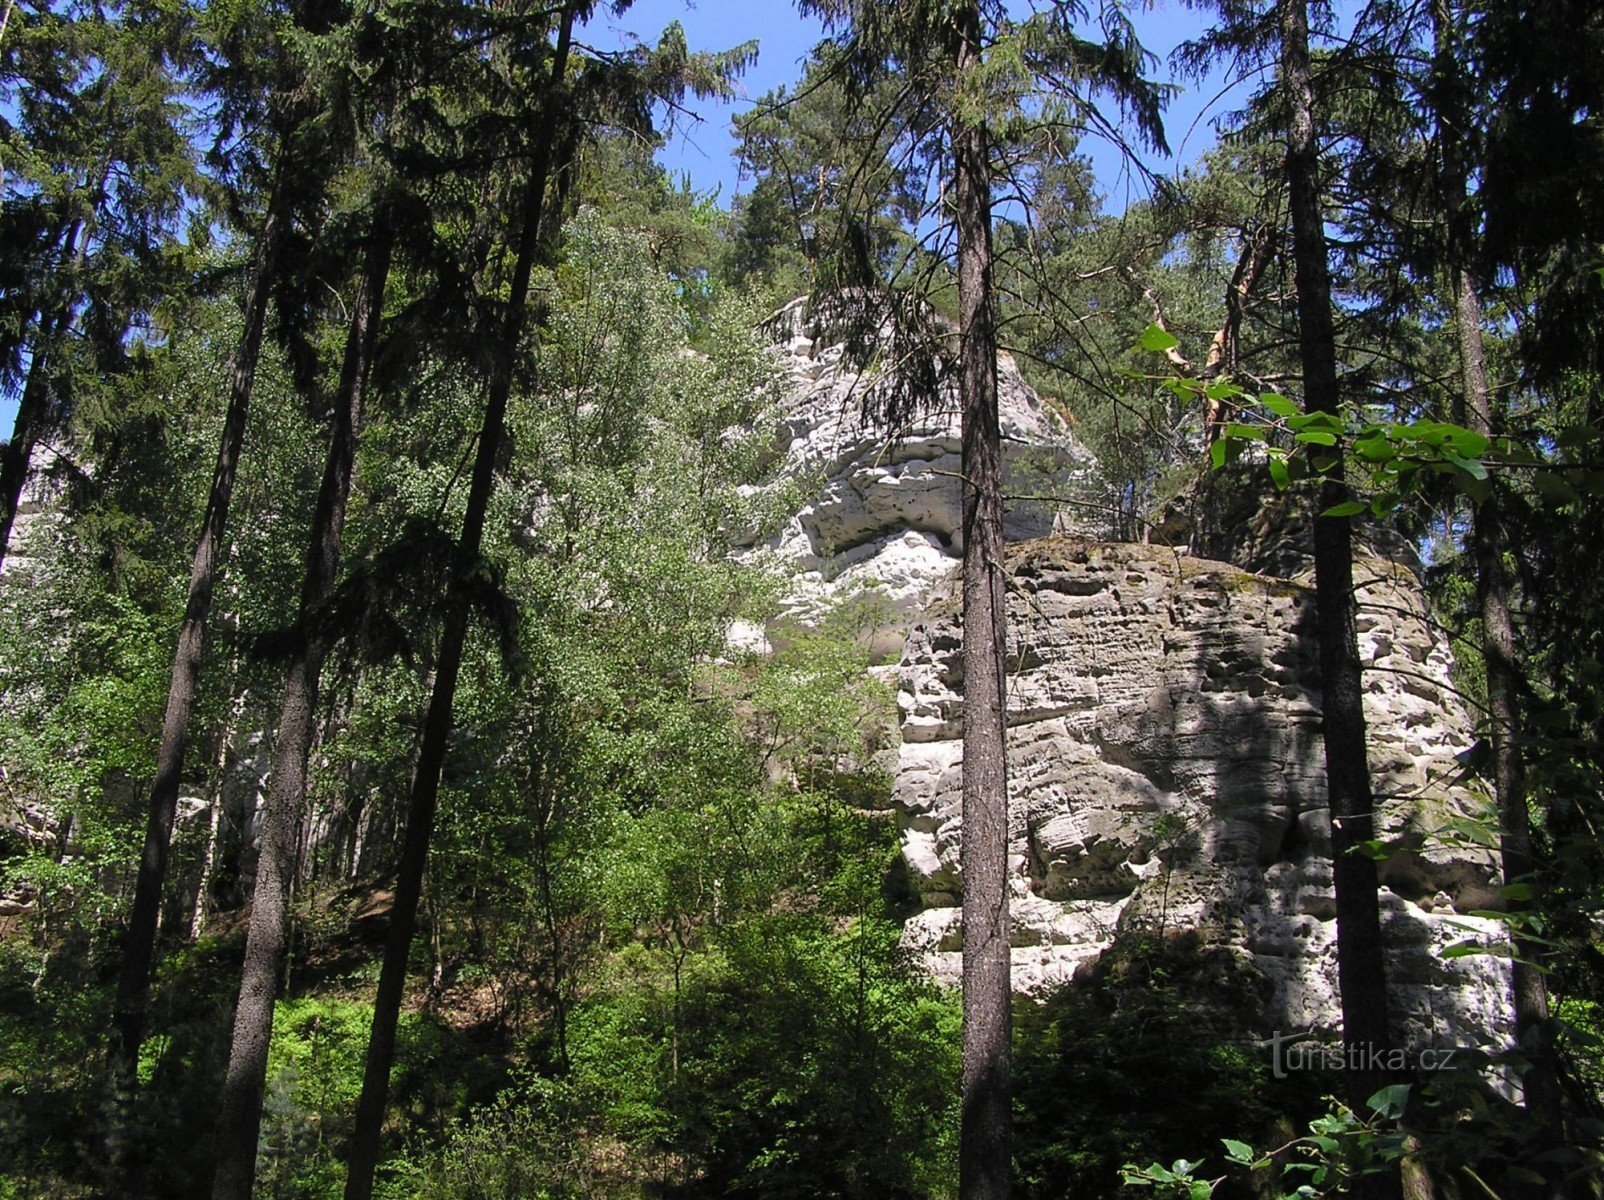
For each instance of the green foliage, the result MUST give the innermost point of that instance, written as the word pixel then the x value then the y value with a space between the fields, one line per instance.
pixel 1340 1149
pixel 314 1074
pixel 1397 456
pixel 1147 1035
pixel 659 951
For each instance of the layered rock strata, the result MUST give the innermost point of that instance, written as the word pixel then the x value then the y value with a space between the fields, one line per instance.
pixel 1166 773
pixel 881 515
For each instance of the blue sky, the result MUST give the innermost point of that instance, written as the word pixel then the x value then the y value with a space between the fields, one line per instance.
pixel 704 147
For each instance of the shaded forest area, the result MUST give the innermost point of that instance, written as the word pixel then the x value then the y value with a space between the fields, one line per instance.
pixel 385 809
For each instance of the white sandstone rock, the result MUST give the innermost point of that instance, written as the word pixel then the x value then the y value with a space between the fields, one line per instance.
pixel 883 518
pixel 1166 772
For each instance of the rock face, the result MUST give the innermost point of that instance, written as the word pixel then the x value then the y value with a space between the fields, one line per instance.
pixel 883 516
pixel 36 518
pixel 1166 764
pixel 1167 773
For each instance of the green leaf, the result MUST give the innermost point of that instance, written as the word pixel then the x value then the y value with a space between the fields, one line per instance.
pixel 1463 949
pixel 1158 340
pixel 1430 433
pixel 1477 489
pixel 1375 448
pixel 1279 473
pixel 1348 508
pixel 1317 437
pixel 1555 488
pixel 1238 1152
pixel 1469 443
pixel 1278 404
pixel 1317 420
pixel 1468 465
pixel 1390 1101
pixel 1217 453
pixel 1254 433
pixel 1201 1189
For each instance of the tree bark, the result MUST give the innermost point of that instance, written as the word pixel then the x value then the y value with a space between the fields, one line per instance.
pixel 1223 347
pixel 425 791
pixel 984 1157
pixel 240 1112
pixel 214 811
pixel 1360 968
pixel 139 945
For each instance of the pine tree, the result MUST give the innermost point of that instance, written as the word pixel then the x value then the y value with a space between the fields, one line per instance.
pixel 1489 544
pixel 1360 967
pixel 952 84
pixel 98 172
pixel 1277 36
pixel 298 168
pixel 424 798
pixel 568 106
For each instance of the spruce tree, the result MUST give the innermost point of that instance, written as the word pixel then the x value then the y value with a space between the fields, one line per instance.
pixel 297 167
pixel 569 101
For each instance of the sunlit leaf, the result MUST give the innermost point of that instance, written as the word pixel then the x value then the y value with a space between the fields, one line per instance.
pixel 1158 340
pixel 1278 404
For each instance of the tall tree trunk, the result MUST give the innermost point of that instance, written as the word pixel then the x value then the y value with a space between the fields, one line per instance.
pixel 425 791
pixel 1541 1080
pixel 240 1112
pixel 139 946
pixel 32 411
pixel 984 1145
pixel 214 810
pixel 1360 969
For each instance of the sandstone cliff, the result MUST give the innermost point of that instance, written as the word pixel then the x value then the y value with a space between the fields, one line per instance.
pixel 1167 770
pixel 1167 773
pixel 880 509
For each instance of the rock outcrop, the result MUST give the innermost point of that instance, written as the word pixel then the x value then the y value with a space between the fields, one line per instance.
pixel 1167 773
pixel 1166 763
pixel 882 514
pixel 38 509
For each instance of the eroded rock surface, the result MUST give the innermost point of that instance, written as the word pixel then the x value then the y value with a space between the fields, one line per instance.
pixel 1167 773
pixel 881 509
